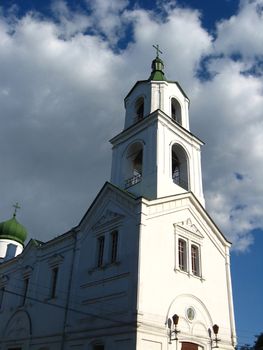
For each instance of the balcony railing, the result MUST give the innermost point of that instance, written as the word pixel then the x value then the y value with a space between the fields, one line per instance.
pixel 180 182
pixel 133 180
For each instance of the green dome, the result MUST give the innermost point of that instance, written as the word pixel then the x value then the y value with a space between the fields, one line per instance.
pixel 13 230
pixel 157 70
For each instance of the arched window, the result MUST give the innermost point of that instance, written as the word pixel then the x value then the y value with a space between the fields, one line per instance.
pixel 139 109
pixel 195 260
pixel 179 166
pixel 134 164
pixel 176 111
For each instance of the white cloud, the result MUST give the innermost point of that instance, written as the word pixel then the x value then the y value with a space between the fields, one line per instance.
pixel 243 32
pixel 61 91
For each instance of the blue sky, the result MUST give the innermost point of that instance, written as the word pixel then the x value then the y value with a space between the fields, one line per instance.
pixel 61 59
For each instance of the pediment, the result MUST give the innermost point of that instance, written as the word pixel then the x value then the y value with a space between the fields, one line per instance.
pixel 109 217
pixel 55 260
pixel 3 280
pixel 27 271
pixel 189 227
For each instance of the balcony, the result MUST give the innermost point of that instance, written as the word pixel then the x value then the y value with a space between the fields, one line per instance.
pixel 133 180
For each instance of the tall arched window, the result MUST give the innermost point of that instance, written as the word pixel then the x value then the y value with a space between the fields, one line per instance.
pixel 134 164
pixel 176 111
pixel 139 109
pixel 179 166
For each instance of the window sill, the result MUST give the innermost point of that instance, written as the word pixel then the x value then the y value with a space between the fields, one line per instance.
pixel 189 274
pixel 104 267
pixel 51 299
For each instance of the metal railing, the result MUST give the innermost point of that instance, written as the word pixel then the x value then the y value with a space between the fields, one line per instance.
pixel 133 180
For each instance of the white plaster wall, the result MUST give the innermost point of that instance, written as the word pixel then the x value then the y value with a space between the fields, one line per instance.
pixel 157 95
pixel 46 315
pixel 168 135
pixel 147 134
pixel 160 285
pixel 4 244
pixel 109 291
pixel 158 134
pixel 142 89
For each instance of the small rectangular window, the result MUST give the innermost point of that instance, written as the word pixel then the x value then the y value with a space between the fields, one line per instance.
pixel 26 283
pixel 54 278
pixel 101 241
pixel 182 254
pixel 114 246
pixel 2 292
pixel 11 251
pixel 195 260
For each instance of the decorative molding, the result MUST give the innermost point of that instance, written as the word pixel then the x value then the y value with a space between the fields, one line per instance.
pixel 109 217
pixel 3 280
pixel 105 280
pixel 55 260
pixel 188 226
pixel 104 298
pixel 27 271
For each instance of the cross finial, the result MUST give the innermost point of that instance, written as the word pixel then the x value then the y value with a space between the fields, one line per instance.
pixel 16 206
pixel 157 50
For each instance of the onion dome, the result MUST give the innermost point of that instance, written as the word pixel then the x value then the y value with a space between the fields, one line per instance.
pixel 13 230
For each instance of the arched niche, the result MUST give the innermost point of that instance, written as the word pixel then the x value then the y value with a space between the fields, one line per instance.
pixel 133 164
pixel 19 326
pixel 176 113
pixel 139 109
pixel 179 166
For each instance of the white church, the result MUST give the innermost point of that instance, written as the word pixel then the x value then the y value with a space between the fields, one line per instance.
pixel 146 268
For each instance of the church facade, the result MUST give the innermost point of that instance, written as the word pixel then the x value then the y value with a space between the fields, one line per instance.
pixel 146 268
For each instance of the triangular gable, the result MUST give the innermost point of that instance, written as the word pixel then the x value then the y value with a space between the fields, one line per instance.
pixel 99 214
pixel 168 204
pixel 189 227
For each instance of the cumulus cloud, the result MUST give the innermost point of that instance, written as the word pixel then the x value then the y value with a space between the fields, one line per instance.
pixel 62 85
pixel 243 32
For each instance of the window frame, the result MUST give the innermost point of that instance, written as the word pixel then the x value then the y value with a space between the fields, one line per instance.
pixel 182 254
pixel 195 260
pixel 100 251
pixel 54 282
pixel 188 233
pixel 25 290
pixel 114 243
pixel 139 109
pixel 176 110
pixel 2 295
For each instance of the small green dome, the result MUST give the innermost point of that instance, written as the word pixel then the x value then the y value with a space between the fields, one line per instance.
pixel 13 230
pixel 157 70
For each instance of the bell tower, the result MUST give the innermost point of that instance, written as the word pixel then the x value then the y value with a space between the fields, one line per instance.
pixel 156 155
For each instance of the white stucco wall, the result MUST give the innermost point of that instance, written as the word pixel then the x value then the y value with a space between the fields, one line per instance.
pixel 164 290
pixel 4 243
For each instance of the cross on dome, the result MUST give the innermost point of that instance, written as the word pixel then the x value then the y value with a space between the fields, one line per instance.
pixel 16 206
pixel 157 50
